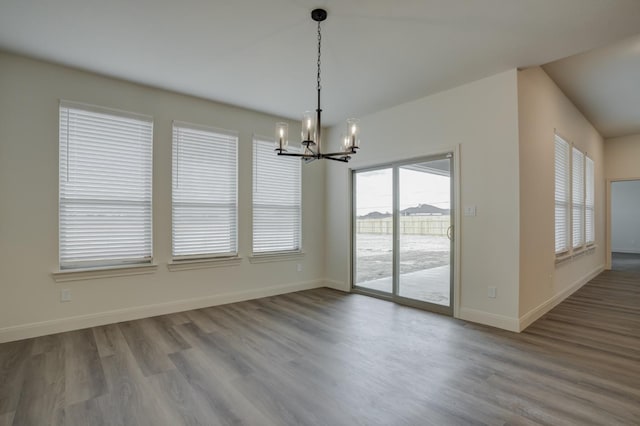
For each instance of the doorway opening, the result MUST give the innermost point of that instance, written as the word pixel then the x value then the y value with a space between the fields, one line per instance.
pixel 625 226
pixel 403 239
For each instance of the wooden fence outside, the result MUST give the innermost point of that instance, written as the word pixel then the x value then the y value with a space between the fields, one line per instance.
pixel 409 225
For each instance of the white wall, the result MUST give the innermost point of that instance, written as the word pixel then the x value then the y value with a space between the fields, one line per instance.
pixel 543 108
pixel 625 216
pixel 481 118
pixel 29 298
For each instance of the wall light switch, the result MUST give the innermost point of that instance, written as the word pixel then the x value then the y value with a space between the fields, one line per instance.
pixel 470 210
pixel 65 295
pixel 299 267
pixel 492 292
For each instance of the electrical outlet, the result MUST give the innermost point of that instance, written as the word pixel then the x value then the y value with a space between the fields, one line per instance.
pixel 493 292
pixel 65 295
pixel 299 267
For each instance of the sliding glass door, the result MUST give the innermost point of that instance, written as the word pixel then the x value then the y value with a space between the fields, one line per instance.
pixel 373 229
pixel 403 232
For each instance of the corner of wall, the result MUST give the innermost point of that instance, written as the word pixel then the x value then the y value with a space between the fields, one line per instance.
pixel 543 110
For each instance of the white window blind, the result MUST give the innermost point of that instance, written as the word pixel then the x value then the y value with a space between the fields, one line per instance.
pixel 577 195
pixel 104 187
pixel 204 196
pixel 590 201
pixel 276 200
pixel 562 188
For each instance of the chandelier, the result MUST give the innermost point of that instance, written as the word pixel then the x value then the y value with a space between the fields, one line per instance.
pixel 312 125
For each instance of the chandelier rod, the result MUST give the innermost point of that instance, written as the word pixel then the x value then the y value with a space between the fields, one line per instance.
pixel 319 88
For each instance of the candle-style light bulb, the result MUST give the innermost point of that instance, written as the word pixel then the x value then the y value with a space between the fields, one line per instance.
pixel 282 133
pixel 308 127
pixel 353 131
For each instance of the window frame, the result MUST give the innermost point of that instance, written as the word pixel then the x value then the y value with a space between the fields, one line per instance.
pixel 215 132
pixel 582 203
pixel 590 201
pixel 564 204
pixel 261 256
pixel 73 267
pixel 578 198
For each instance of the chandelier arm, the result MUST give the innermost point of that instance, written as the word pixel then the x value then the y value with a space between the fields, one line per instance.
pixel 341 153
pixel 341 159
pixel 297 154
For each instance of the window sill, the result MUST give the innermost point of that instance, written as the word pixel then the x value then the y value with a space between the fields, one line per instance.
pixel 276 257
pixel 185 265
pixel 106 272
pixel 575 254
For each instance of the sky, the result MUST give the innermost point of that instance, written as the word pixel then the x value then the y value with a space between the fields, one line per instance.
pixel 374 190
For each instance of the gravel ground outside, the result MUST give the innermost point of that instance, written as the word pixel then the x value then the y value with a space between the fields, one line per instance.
pixel 417 252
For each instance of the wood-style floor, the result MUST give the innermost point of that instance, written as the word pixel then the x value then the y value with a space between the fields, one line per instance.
pixel 627 262
pixel 327 358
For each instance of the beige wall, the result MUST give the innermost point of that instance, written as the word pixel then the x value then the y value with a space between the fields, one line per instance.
pixel 622 157
pixel 542 108
pixel 481 119
pixel 622 162
pixel 501 129
pixel 29 298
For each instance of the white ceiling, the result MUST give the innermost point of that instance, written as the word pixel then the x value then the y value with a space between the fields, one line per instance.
pixel 260 54
pixel 604 84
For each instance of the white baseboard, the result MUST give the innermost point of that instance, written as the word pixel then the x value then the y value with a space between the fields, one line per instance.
pixel 336 285
pixel 487 318
pixel 530 317
pixel 24 331
pixel 629 251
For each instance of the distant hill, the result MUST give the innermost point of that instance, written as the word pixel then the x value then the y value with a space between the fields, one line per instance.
pixel 375 215
pixel 424 210
pixel 421 210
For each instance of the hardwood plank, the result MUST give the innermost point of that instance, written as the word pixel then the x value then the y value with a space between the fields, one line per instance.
pixel 147 351
pixel 222 402
pixel 105 338
pixel 42 400
pixel 218 348
pixel 130 400
pixel 13 359
pixel 175 393
pixel 45 344
pixel 6 419
pixel 84 376
pixel 202 321
pixel 162 329
pixel 178 318
pixel 86 413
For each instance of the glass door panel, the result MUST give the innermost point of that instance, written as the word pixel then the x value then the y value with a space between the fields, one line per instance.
pixel 373 230
pixel 424 231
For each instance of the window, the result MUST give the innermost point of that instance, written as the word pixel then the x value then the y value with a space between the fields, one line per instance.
pixel 204 196
pixel 276 200
pixel 577 197
pixel 590 202
pixel 562 180
pixel 105 187
pixel 574 198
